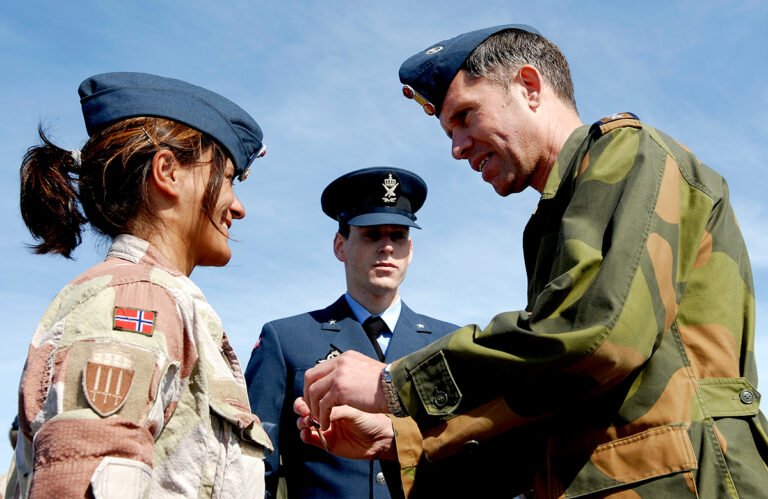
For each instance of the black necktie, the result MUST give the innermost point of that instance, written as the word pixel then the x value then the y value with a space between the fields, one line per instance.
pixel 373 327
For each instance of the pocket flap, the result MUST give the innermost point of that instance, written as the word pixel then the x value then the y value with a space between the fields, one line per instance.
pixel 729 397
pixel 233 410
pixel 435 385
pixel 650 454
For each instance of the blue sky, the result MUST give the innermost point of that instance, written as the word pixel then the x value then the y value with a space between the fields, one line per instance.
pixel 321 79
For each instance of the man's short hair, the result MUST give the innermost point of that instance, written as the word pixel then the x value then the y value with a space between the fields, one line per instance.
pixel 503 53
pixel 344 230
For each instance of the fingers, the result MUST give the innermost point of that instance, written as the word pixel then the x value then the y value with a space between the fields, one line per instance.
pixel 351 378
pixel 310 437
pixel 318 382
pixel 308 430
pixel 311 377
pixel 300 407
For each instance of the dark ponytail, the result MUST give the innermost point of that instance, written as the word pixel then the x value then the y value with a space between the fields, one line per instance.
pixel 107 186
pixel 48 198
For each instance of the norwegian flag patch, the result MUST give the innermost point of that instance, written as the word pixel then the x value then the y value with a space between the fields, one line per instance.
pixel 134 320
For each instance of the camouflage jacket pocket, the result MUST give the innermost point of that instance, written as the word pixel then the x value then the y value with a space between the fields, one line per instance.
pixel 659 457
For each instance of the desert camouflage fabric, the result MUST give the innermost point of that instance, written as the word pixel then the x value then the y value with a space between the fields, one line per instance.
pixel 634 357
pixel 111 406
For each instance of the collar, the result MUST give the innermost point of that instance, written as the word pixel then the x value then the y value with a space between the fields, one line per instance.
pixel 390 315
pixel 563 160
pixel 137 250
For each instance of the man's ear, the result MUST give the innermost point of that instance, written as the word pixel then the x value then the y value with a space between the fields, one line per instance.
pixel 165 173
pixel 532 81
pixel 338 248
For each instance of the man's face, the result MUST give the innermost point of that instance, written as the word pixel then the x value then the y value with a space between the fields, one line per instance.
pixel 492 126
pixel 375 258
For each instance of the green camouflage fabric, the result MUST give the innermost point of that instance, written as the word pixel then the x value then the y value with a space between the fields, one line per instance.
pixel 152 407
pixel 634 357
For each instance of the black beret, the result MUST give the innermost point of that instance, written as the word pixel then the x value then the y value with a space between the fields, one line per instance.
pixel 111 97
pixel 428 74
pixel 381 195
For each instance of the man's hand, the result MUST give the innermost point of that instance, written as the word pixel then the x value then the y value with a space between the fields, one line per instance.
pixel 352 433
pixel 349 379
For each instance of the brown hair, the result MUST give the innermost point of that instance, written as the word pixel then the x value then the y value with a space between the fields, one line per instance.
pixel 503 53
pixel 107 186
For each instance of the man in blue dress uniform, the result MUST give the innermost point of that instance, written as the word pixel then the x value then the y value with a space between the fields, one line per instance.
pixel 375 209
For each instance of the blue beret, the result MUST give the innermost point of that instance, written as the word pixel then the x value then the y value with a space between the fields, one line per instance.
pixel 428 74
pixel 381 195
pixel 111 97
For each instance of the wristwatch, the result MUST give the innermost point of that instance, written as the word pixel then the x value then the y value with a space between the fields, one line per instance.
pixel 394 403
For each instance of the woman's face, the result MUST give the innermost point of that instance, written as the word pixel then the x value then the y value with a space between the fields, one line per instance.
pixel 208 238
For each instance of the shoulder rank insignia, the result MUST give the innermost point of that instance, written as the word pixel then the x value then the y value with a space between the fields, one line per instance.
pixel 330 325
pixel 423 328
pixel 616 120
pixel 107 379
pixel 134 320
pixel 333 353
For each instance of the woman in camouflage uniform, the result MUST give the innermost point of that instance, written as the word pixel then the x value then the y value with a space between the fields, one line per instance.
pixel 131 388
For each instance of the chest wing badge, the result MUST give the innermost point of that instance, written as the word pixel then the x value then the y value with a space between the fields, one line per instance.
pixel 107 379
pixel 333 353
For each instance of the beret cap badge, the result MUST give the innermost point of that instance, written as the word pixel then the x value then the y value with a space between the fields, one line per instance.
pixel 111 97
pixel 427 75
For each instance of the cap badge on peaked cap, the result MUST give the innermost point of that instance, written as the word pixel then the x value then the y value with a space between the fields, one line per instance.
pixel 390 183
pixel 380 195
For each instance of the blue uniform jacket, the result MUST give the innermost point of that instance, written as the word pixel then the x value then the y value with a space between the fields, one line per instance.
pixel 275 375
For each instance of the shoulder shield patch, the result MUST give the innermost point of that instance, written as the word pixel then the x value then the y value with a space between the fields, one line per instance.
pixel 107 379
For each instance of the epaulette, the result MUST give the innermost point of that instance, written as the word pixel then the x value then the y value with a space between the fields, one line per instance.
pixel 614 121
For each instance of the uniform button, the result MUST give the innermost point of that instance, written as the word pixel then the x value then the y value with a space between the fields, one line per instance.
pixel 380 478
pixel 440 398
pixel 470 446
pixel 746 397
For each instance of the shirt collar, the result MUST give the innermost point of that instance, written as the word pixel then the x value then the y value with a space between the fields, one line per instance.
pixel 390 315
pixel 136 250
pixel 563 160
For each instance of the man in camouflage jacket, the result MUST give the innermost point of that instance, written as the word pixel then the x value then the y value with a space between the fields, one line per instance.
pixel 633 360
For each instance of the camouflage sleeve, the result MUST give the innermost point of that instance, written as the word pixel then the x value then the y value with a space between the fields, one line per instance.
pixel 604 287
pixel 409 451
pixel 102 377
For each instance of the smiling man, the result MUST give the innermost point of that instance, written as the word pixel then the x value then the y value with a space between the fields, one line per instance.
pixel 633 359
pixel 375 209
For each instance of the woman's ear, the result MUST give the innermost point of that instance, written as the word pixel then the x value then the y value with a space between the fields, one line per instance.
pixel 165 173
